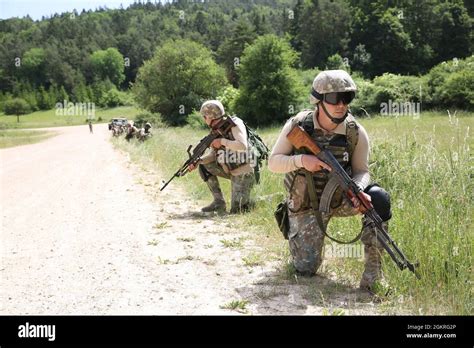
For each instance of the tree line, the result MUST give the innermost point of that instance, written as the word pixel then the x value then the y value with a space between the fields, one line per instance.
pixel 96 55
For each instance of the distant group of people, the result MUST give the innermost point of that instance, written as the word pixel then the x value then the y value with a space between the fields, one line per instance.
pixel 131 131
pixel 141 134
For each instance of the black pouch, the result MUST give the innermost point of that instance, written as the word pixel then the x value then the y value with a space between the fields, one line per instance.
pixel 281 216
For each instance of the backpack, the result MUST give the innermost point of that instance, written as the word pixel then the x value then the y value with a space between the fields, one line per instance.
pixel 260 150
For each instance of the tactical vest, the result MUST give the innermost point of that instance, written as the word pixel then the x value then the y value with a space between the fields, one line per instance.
pixel 232 159
pixel 342 147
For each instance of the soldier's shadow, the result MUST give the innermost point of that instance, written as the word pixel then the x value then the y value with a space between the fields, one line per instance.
pixel 197 215
pixel 281 292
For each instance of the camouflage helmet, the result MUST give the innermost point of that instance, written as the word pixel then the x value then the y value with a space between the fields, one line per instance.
pixel 330 81
pixel 212 109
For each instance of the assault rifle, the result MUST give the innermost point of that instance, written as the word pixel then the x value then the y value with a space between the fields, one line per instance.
pixel 300 139
pixel 218 130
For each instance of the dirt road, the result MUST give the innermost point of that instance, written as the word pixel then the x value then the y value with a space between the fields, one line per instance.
pixel 83 231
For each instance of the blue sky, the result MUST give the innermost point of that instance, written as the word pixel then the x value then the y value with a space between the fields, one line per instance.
pixel 38 8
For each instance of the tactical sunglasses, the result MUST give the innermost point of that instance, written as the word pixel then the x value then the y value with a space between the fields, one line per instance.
pixel 335 97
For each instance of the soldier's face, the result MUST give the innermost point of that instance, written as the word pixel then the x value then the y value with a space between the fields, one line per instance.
pixel 338 110
pixel 208 120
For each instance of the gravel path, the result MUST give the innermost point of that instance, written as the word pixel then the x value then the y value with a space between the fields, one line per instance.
pixel 84 231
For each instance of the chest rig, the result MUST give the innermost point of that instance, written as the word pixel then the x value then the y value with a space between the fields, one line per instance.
pixel 324 193
pixel 230 159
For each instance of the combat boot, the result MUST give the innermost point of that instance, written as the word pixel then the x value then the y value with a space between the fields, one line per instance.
pixel 219 203
pixel 237 208
pixel 216 205
pixel 372 275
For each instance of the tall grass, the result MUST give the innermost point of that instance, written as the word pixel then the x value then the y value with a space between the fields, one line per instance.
pixel 426 166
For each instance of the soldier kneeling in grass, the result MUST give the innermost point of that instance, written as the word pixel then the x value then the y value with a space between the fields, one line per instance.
pixel 314 196
pixel 145 132
pixel 227 159
pixel 132 131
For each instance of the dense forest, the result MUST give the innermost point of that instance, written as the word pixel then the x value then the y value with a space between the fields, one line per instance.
pixel 96 55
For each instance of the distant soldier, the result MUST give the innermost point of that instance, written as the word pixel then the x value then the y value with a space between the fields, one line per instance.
pixel 132 131
pixel 116 130
pixel 148 128
pixel 90 127
pixel 145 132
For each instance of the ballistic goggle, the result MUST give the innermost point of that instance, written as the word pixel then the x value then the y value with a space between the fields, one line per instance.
pixel 334 98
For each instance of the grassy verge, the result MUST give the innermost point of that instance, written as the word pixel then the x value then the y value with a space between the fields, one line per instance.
pixel 43 119
pixel 10 138
pixel 424 163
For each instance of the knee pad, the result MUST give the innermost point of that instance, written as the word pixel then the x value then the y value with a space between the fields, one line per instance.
pixel 380 201
pixel 203 173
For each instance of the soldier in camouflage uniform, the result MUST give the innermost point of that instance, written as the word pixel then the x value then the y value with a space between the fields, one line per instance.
pixel 314 195
pixel 229 158
pixel 132 131
pixel 145 132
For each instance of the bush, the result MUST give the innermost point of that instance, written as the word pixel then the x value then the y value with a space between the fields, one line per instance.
pixel 336 62
pixel 457 90
pixel 307 77
pixel 268 84
pixel 196 121
pixel 99 89
pixel 16 106
pixel 448 83
pixel 114 97
pixel 365 97
pixel 304 83
pixel 108 64
pixel 227 98
pixel 177 79
pixel 154 118
pixel 397 88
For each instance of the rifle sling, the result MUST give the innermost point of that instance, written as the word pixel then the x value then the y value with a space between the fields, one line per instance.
pixel 314 205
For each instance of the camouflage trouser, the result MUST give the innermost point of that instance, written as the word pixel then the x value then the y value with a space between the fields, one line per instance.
pixel 241 185
pixel 307 240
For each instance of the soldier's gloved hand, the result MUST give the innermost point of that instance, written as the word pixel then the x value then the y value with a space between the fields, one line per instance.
pixel 216 143
pixel 313 164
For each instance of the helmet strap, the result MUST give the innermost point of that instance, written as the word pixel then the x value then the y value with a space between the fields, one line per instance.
pixel 333 119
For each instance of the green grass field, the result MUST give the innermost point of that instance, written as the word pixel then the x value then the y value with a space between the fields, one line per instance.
pixel 424 163
pixel 13 137
pixel 43 119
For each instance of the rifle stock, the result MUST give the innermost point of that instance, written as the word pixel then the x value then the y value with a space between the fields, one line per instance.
pixel 300 139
